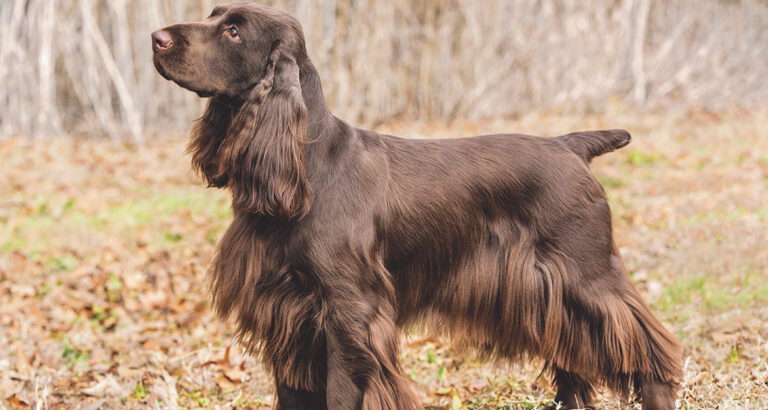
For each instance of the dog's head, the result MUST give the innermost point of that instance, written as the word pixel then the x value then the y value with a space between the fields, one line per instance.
pixel 250 139
pixel 225 54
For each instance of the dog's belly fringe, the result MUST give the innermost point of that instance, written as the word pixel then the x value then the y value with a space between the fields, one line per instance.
pixel 532 309
pixel 537 305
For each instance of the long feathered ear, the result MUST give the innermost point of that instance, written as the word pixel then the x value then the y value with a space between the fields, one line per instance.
pixel 207 136
pixel 263 153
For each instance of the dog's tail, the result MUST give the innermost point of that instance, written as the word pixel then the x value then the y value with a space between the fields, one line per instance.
pixel 590 144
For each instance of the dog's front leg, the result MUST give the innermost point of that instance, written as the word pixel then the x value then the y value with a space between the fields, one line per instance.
pixel 341 390
pixel 292 399
pixel 363 367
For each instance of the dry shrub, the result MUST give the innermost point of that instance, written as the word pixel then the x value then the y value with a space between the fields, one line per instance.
pixel 83 66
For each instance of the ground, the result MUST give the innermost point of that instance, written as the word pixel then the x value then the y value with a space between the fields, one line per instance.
pixel 103 250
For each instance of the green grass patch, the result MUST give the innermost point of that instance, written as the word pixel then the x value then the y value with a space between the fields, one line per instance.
pixel 40 230
pixel 707 294
pixel 140 392
pixel 431 356
pixel 716 215
pixel 73 355
pixel 640 158
pixel 62 263
pixel 196 398
pixel 611 182
pixel 145 212
pixel 681 293
pixel 114 286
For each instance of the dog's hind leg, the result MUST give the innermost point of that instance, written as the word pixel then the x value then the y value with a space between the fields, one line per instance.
pixel 657 379
pixel 573 391
pixel 616 339
pixel 654 393
pixel 605 333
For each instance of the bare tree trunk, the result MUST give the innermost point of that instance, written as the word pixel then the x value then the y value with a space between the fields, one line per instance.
pixel 131 116
pixel 48 117
pixel 85 66
pixel 641 8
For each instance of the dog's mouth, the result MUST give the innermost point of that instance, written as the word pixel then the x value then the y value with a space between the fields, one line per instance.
pixel 166 74
pixel 157 59
pixel 204 94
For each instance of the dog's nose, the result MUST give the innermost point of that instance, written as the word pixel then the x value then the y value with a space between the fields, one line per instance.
pixel 161 40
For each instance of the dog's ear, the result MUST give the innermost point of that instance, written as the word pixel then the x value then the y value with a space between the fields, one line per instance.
pixel 263 153
pixel 207 136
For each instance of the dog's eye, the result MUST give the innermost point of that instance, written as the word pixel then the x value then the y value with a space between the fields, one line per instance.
pixel 232 31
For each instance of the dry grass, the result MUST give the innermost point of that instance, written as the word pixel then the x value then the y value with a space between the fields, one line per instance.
pixel 103 248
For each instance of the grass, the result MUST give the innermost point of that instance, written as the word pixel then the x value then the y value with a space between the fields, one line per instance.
pixel 104 249
pixel 30 230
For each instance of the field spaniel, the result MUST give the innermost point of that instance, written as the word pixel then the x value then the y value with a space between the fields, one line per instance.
pixel 342 237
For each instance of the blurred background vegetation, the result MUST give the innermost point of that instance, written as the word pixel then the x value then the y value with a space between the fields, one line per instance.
pixel 83 67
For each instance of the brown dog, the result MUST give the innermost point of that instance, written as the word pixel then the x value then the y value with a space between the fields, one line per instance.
pixel 343 236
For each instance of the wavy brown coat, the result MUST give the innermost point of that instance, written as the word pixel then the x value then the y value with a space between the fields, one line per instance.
pixel 341 237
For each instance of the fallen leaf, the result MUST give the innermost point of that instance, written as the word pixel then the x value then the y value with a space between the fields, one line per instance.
pixel 16 402
pixel 224 383
pixel 22 364
pixel 107 387
pixel 477 387
pixel 445 391
pixel 236 374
